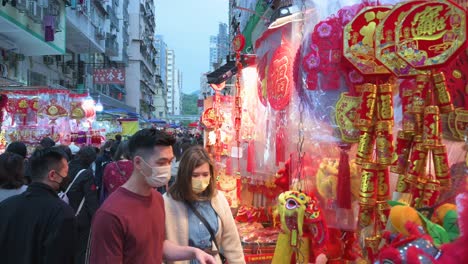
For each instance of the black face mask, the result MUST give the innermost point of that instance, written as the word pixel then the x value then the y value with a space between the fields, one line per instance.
pixel 63 184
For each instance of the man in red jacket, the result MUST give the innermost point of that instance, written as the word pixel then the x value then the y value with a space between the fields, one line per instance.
pixel 129 227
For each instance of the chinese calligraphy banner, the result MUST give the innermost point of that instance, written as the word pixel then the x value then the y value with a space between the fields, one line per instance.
pixel 109 76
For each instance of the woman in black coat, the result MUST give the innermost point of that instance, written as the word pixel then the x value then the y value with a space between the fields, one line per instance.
pixel 82 195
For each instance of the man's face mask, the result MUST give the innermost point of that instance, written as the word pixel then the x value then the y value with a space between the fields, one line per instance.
pixel 160 175
pixel 62 182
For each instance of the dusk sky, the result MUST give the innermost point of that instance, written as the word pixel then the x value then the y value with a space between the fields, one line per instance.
pixel 186 26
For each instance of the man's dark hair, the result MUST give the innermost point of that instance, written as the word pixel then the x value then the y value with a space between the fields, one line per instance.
pixel 67 151
pixel 87 155
pixel 47 142
pixel 44 160
pixel 17 147
pixel 11 170
pixel 118 137
pixel 144 141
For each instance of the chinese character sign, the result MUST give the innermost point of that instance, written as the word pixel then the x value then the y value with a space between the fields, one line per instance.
pixel 108 76
pixel 431 34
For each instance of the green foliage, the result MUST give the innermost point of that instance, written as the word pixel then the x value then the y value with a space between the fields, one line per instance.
pixel 189 104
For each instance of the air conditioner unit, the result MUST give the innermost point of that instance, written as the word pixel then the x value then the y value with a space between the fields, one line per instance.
pixel 100 33
pixel 35 12
pixel 22 5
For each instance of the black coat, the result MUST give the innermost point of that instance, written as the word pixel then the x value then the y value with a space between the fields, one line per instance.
pixel 101 162
pixel 84 186
pixel 37 227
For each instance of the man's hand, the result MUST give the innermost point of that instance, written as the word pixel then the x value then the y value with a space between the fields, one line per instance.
pixel 203 257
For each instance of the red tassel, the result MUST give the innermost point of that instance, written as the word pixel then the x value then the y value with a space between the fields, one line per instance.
pixel 251 157
pixel 344 179
pixel 228 169
pixel 279 146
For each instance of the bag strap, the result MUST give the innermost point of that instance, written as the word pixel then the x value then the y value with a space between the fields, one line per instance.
pixel 76 177
pixel 119 169
pixel 80 206
pixel 195 211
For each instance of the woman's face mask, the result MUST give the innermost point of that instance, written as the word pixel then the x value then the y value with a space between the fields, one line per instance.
pixel 200 184
pixel 201 178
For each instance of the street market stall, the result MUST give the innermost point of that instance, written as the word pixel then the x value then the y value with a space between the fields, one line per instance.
pixel 344 139
pixel 32 113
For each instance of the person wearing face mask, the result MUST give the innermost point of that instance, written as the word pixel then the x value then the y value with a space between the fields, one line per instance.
pixel 82 195
pixel 37 226
pixel 193 202
pixel 129 226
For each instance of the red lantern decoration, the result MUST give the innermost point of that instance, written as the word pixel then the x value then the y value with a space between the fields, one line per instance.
pixel 238 42
pixel 280 76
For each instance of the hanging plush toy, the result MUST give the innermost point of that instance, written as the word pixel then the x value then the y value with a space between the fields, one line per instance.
pixel 297 212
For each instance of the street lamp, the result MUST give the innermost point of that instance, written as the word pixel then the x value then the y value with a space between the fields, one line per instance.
pixel 99 107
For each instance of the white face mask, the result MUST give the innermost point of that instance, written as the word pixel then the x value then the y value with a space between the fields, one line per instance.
pixel 200 184
pixel 160 175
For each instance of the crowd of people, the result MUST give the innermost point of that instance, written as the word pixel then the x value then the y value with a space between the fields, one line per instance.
pixel 64 204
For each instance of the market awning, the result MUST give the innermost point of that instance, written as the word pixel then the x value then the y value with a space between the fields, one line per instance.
pixel 122 112
pixel 223 73
pixel 112 104
pixel 156 121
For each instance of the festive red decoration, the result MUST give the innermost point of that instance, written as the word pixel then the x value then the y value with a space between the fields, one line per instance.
pixel 359 40
pixel 456 74
pixel 3 104
pixel 209 118
pixel 54 110
pixel 251 157
pixel 385 49
pixel 431 34
pixel 218 87
pixel 325 56
pixel 238 43
pixel 280 76
pixel 343 191
pixel 262 71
